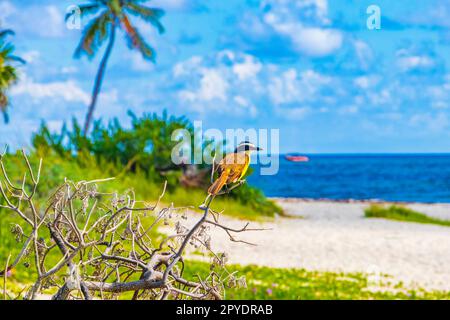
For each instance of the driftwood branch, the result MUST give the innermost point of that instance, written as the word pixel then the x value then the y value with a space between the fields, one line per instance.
pixel 105 243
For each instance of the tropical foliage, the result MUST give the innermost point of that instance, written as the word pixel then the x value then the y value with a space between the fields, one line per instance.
pixel 111 15
pixel 143 149
pixel 8 72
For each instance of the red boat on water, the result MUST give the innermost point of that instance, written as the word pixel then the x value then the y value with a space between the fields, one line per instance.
pixel 295 158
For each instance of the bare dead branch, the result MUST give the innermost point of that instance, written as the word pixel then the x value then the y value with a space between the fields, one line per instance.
pixel 103 242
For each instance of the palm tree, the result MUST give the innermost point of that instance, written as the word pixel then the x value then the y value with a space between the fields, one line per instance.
pixel 8 73
pixel 110 16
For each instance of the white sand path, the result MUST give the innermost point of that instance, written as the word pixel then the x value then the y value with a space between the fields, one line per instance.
pixel 333 236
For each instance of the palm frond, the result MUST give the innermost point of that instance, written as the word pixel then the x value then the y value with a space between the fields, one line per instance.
pixel 4 102
pixel 8 76
pixel 136 41
pixel 152 15
pixel 16 59
pixel 116 7
pixel 94 35
pixel 6 50
pixel 6 32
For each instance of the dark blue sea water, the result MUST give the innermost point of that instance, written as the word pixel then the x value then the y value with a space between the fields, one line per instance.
pixel 410 178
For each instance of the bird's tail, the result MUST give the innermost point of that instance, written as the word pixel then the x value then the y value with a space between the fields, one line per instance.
pixel 218 184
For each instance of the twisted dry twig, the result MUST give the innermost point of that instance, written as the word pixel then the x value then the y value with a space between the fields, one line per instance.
pixel 105 243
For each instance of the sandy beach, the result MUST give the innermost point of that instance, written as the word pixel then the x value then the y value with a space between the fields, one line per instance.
pixel 335 236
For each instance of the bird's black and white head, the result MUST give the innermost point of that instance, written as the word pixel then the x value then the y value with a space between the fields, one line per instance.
pixel 246 146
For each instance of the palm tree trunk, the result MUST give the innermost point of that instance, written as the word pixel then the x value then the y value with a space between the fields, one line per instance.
pixel 99 79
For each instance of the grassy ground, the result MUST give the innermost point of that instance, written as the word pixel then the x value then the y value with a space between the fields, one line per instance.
pixel 399 213
pixel 265 283
pixel 293 284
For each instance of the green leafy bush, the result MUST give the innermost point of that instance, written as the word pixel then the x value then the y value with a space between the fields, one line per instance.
pixel 144 149
pixel 146 146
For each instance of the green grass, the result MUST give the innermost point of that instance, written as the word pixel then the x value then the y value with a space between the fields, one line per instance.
pixel 264 283
pixel 300 284
pixel 399 213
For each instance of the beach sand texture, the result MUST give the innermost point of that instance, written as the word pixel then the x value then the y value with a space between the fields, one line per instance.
pixel 334 236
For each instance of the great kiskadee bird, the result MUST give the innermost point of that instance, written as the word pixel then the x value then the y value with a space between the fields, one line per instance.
pixel 232 167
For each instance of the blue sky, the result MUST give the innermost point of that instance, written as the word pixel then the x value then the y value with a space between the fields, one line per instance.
pixel 308 67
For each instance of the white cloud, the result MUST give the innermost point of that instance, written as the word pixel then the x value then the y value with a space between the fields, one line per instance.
pixel 138 63
pixel 298 113
pixel 213 77
pixel 439 104
pixel 314 38
pixel 284 89
pixel 382 97
pixel 66 90
pixel 224 82
pixel 212 86
pixel 7 10
pixel 317 8
pixel 246 105
pixel 435 123
pixel 407 63
pixel 291 87
pixel 241 101
pixel 247 69
pixel 316 42
pixel 31 56
pixel 41 20
pixel 363 53
pixel 439 95
pixel 188 66
pixel 69 70
pixel 365 82
pixel 109 97
pixel 412 62
pixel 55 125
pixel 54 22
pixel 310 10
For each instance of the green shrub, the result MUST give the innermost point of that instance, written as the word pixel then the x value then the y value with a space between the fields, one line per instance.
pixel 399 213
pixel 143 149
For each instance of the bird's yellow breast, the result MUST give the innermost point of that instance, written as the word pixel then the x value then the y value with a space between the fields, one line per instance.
pixel 234 166
pixel 246 165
